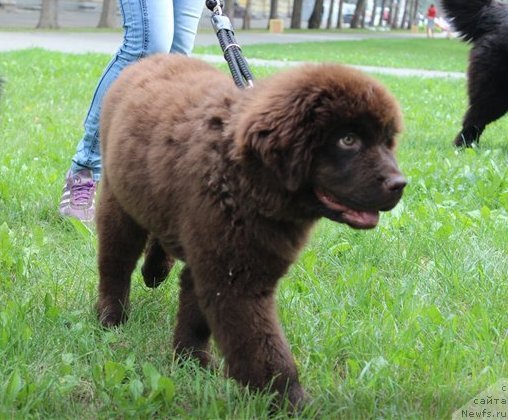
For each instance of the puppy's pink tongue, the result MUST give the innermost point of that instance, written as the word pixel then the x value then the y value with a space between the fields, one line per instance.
pixel 354 218
pixel 361 219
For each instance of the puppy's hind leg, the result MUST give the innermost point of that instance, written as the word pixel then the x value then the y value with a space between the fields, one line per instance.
pixel 121 242
pixel 192 332
pixel 157 263
pixel 488 99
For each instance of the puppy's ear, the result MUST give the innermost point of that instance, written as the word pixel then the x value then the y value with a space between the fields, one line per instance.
pixel 281 132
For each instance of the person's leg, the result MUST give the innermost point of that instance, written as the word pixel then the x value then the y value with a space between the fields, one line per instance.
pixel 186 16
pixel 148 29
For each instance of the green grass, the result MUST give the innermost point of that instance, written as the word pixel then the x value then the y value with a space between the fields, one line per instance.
pixel 430 54
pixel 405 321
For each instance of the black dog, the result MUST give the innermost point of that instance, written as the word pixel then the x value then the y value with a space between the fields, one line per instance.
pixel 484 23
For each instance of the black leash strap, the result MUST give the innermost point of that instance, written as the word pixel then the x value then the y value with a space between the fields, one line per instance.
pixel 232 52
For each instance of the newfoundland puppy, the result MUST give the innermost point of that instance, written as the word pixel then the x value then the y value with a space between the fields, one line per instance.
pixel 231 181
pixel 484 23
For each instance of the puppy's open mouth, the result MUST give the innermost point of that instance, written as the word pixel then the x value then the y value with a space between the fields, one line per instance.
pixel 355 218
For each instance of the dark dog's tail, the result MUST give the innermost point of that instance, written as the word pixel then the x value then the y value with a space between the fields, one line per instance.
pixel 474 18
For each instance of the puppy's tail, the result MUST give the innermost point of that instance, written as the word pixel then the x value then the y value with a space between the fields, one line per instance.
pixel 474 18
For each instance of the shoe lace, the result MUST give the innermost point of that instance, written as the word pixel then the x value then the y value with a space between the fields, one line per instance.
pixel 81 193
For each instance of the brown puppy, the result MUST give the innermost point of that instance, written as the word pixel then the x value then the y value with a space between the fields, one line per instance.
pixel 231 181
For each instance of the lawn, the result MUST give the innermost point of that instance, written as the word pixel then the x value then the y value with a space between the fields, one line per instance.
pixel 419 53
pixel 405 321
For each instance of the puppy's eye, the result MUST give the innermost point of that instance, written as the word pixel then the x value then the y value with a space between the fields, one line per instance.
pixel 349 141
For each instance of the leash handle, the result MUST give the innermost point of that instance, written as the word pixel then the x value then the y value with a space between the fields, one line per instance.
pixel 237 64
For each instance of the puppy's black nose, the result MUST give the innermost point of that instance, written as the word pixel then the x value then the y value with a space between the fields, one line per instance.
pixel 395 183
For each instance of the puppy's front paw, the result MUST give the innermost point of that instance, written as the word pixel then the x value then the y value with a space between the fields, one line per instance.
pixel 297 398
pixel 202 356
pixel 294 399
pixel 111 315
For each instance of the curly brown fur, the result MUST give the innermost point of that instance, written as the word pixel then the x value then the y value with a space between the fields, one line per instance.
pixel 231 181
pixel 484 23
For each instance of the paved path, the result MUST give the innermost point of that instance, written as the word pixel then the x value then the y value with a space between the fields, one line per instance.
pixel 108 41
pixel 76 42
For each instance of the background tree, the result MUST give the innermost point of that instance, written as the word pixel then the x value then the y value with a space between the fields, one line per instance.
pixel 390 13
pixel 405 14
pixel 373 13
pixel 358 14
pixel 274 9
pixel 229 9
pixel 330 15
pixel 339 14
pixel 382 13
pixel 296 16
pixel 414 19
pixel 247 15
pixel 395 14
pixel 48 18
pixel 316 15
pixel 108 14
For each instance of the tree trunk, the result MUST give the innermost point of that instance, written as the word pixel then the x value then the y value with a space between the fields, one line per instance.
pixel 330 15
pixel 49 15
pixel 339 14
pixel 317 15
pixel 405 14
pixel 296 16
pixel 414 19
pixel 382 14
pixel 274 9
pixel 357 16
pixel 229 10
pixel 390 13
pixel 396 15
pixel 373 13
pixel 108 14
pixel 247 15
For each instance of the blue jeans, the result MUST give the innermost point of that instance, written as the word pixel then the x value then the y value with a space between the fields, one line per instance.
pixel 150 26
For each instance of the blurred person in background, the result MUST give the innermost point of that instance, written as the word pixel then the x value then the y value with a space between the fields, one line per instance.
pixel 431 20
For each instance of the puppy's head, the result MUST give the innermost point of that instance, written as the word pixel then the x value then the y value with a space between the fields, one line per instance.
pixel 327 133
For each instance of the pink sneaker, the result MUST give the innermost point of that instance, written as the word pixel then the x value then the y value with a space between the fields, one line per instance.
pixel 78 196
